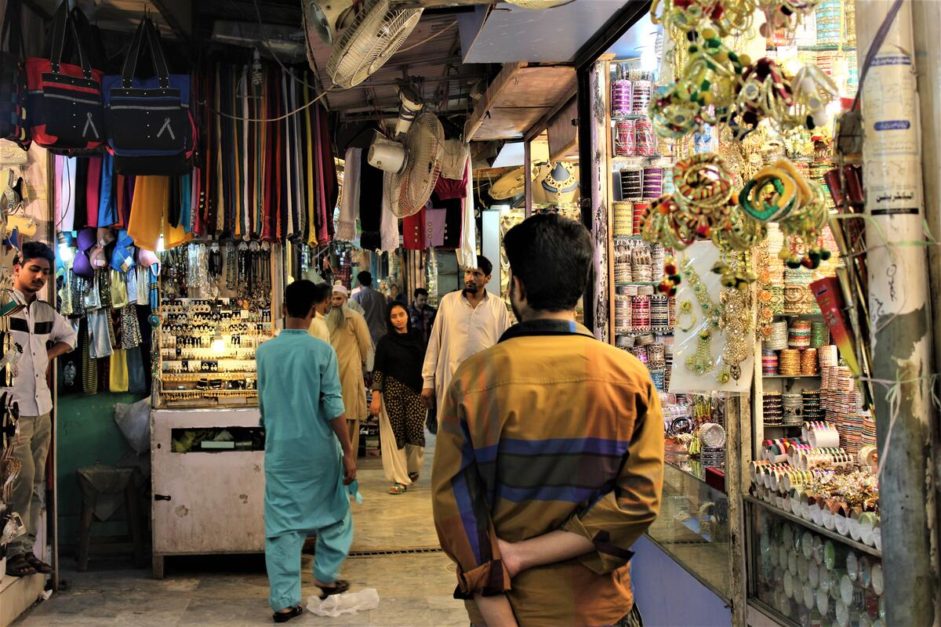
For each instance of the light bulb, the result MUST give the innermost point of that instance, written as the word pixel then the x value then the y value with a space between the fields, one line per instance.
pixel 218 345
pixel 160 247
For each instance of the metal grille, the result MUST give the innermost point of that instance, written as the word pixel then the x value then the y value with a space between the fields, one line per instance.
pixel 406 551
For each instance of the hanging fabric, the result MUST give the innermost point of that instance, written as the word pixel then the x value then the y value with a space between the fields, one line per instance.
pixel 349 203
pixel 390 222
pixel 151 197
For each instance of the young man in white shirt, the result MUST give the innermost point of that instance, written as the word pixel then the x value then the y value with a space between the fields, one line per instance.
pixel 41 334
pixel 467 322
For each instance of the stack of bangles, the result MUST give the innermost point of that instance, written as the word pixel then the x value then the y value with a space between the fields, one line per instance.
pixel 779 193
pixel 703 205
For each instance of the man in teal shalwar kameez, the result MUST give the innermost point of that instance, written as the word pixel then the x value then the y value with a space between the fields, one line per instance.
pixel 308 457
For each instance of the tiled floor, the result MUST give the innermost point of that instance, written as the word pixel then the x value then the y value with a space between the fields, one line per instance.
pixel 414 588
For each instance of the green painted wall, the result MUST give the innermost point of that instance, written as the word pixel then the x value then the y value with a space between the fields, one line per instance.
pixel 86 434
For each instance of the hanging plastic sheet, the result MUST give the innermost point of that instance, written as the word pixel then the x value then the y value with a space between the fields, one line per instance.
pixel 700 352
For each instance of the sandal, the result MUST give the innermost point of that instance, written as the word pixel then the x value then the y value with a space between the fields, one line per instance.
pixel 398 488
pixel 339 587
pixel 283 617
pixel 413 476
pixel 38 565
pixel 19 566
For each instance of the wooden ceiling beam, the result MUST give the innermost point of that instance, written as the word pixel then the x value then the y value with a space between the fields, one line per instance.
pixel 179 16
pixel 502 82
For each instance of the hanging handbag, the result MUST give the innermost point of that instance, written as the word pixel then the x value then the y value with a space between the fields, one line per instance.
pixel 65 112
pixel 151 130
pixel 13 79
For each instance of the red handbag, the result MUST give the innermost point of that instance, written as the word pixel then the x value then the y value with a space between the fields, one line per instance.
pixel 65 108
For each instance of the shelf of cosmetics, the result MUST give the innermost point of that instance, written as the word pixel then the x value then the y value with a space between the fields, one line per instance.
pixel 811 579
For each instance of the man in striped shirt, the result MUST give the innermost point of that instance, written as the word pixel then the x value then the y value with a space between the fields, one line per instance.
pixel 549 458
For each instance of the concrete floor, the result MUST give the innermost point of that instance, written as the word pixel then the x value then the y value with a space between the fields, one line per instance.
pixel 414 588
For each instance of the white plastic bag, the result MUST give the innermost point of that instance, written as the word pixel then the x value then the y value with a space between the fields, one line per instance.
pixel 133 420
pixel 347 603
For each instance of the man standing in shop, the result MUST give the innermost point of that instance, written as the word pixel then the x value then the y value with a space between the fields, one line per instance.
pixel 41 334
pixel 308 456
pixel 318 325
pixel 421 315
pixel 467 322
pixel 373 304
pixel 349 336
pixel 549 458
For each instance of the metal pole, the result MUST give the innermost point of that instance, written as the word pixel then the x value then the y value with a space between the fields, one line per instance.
pixel 926 17
pixel 899 316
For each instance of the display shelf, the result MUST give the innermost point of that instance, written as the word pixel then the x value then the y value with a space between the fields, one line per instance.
pixel 777 511
pixel 628 237
pixel 629 283
pixel 790 376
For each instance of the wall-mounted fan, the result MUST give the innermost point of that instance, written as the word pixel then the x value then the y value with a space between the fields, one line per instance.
pixel 412 164
pixel 364 35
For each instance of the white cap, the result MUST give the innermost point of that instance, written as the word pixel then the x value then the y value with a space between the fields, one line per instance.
pixel 338 287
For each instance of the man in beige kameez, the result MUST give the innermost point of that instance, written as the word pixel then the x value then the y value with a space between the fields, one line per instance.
pixel 350 338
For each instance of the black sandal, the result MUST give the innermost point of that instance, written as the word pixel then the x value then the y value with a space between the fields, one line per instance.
pixel 283 617
pixel 413 476
pixel 38 565
pixel 339 587
pixel 19 566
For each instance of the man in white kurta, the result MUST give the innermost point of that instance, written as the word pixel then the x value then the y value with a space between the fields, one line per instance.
pixel 468 322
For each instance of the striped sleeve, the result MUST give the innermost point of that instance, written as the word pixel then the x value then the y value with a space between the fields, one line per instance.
pixel 461 512
pixel 621 516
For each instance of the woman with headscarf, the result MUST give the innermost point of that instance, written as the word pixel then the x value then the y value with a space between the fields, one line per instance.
pixel 396 399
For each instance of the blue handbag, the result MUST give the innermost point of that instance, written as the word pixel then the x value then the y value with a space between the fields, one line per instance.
pixel 151 129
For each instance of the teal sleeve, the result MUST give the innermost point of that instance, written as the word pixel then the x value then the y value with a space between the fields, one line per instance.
pixel 331 394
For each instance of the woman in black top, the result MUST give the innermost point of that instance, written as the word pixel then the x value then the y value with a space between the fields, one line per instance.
pixel 396 399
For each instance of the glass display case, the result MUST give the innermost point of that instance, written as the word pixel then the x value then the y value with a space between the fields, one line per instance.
pixel 693 526
pixel 803 574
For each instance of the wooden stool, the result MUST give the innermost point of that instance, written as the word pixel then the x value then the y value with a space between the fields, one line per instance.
pixel 98 481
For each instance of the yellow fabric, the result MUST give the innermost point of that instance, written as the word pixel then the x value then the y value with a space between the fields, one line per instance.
pixel 118 378
pixel 118 290
pixel 151 199
pixel 311 203
pixel 174 236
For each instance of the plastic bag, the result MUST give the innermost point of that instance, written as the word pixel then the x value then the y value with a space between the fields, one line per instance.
pixel 347 603
pixel 690 324
pixel 134 422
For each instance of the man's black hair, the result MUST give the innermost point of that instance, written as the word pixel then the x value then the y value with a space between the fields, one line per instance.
pixel 34 250
pixel 322 293
pixel 420 291
pixel 299 298
pixel 551 256
pixel 364 278
pixel 484 265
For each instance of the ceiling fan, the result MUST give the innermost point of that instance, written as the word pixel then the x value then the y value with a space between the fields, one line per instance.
pixel 363 34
